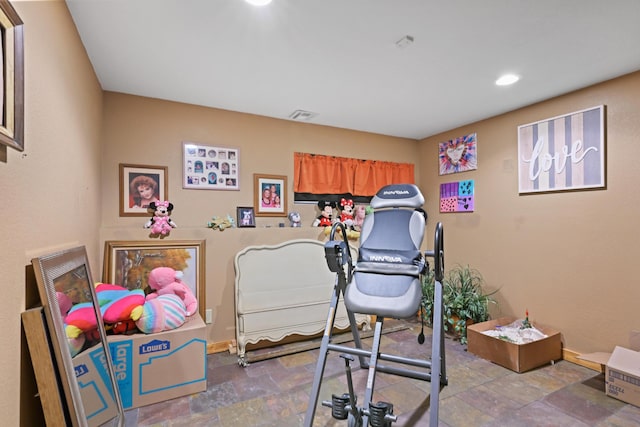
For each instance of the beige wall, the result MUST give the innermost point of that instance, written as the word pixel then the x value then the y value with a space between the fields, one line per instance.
pixel 569 257
pixel 149 131
pixel 51 191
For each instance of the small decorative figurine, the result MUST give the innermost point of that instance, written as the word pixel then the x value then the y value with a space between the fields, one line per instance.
pixel 525 323
pixel 294 219
pixel 220 223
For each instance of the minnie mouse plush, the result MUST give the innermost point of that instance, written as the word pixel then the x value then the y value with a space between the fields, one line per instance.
pixel 160 223
pixel 346 213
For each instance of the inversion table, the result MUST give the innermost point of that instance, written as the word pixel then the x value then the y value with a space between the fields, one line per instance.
pixel 386 282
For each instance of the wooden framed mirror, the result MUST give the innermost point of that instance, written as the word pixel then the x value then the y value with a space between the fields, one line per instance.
pixel 86 372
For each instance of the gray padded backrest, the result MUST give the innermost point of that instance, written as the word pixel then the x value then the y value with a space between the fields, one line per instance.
pixel 390 242
pixel 398 195
pixel 390 239
pixel 386 280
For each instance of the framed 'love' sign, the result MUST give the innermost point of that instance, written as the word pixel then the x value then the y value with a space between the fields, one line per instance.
pixel 563 153
pixel 458 155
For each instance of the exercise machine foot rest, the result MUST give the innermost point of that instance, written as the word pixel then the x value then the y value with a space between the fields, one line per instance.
pixel 381 414
pixel 340 406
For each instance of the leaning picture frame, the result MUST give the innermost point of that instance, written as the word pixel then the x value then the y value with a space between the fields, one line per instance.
pixel 208 167
pixel 270 195
pixel 128 263
pixel 78 338
pixel 246 216
pixel 12 53
pixel 139 186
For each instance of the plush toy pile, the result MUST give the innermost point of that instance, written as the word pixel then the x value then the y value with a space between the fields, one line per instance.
pixel 351 215
pixel 127 311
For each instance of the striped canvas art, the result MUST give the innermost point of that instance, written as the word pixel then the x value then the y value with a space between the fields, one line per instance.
pixel 562 153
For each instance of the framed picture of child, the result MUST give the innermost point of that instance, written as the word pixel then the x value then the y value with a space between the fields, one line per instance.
pixel 270 195
pixel 139 186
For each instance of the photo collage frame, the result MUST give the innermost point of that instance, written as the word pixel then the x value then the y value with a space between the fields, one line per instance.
pixel 208 167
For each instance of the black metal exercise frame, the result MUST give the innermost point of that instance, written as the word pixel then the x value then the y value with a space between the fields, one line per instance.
pixel 339 261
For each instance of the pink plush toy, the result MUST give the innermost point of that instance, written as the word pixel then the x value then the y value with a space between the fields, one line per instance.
pixel 358 217
pixel 161 223
pixel 166 280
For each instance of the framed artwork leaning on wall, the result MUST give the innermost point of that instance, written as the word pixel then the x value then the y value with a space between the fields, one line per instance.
pixel 128 264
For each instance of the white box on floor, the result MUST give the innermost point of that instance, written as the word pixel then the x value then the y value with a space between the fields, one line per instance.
pixel 622 370
pixel 623 375
pixel 162 366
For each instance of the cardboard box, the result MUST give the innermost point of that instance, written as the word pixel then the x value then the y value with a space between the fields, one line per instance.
pixel 621 369
pixel 157 367
pixel 517 357
pixel 95 385
pixel 622 373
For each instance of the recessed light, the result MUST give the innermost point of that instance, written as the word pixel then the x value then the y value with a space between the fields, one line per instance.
pixel 507 79
pixel 258 2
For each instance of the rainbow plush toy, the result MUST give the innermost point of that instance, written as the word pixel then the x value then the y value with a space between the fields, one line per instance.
pixel 117 304
pixel 77 343
pixel 162 313
pixel 81 319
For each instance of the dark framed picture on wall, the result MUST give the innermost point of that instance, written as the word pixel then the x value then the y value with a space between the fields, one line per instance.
pixel 246 216
pixel 139 186
pixel 270 195
pixel 12 77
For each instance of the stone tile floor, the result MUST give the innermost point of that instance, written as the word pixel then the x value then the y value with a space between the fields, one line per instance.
pixel 275 392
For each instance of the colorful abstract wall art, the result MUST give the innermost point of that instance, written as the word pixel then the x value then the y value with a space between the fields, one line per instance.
pixel 457 196
pixel 563 153
pixel 458 155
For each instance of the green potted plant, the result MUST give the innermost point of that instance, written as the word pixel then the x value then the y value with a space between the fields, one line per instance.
pixel 464 300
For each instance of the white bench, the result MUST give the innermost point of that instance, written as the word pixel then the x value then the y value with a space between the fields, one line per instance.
pixel 283 290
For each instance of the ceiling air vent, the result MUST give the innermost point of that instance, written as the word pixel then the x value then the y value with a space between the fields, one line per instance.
pixel 301 115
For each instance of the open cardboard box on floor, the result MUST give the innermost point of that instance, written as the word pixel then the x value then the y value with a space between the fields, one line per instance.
pixel 622 370
pixel 517 357
pixel 157 367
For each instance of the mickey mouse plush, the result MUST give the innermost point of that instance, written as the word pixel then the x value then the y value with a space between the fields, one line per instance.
pixel 326 214
pixel 160 223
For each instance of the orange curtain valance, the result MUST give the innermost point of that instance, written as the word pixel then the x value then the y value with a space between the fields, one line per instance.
pixel 319 174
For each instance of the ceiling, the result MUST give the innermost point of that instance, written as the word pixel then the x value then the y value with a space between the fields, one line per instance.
pixel 339 58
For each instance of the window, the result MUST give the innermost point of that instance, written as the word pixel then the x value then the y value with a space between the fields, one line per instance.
pixel 319 177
